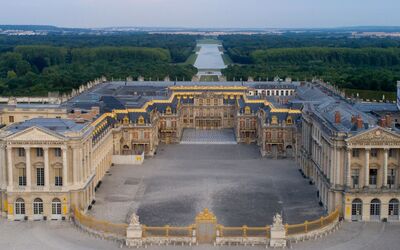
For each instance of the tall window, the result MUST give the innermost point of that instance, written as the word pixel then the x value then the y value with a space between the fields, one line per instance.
pixel 40 176
pixel 56 207
pixel 57 152
pixel 20 206
pixel 11 119
pixel 356 210
pixel 355 176
pixel 374 152
pixel 356 152
pixel 392 153
pixel 373 176
pixel 39 152
pixel 21 152
pixel 38 206
pixel 22 177
pixel 391 178
pixel 375 209
pixel 394 209
pixel 58 177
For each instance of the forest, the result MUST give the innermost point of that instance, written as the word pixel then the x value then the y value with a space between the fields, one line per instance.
pixel 355 63
pixel 39 64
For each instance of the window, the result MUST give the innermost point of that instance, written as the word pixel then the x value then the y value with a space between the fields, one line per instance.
pixel 373 174
pixel 38 206
pixel 356 210
pixel 392 153
pixel 215 102
pixel 21 152
pixel 40 176
pixel 355 176
pixel 356 152
pixel 374 152
pixel 391 178
pixel 200 102
pixel 22 177
pixel 11 119
pixel 39 152
pixel 375 209
pixel 56 207
pixel 208 102
pixel 58 177
pixel 394 209
pixel 57 152
pixel 20 206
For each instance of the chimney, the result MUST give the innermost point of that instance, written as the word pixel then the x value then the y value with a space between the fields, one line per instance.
pixel 338 119
pixel 353 119
pixel 359 122
pixel 389 120
pixel 382 122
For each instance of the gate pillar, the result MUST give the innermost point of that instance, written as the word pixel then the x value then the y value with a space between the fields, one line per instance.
pixel 206 227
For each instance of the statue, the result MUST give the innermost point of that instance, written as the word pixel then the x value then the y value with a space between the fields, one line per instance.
pixel 134 220
pixel 277 220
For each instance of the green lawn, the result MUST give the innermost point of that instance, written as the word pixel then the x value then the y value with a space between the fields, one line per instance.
pixel 227 59
pixel 191 59
pixel 209 79
pixel 371 94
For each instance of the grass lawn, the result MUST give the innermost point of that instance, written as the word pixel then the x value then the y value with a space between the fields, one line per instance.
pixel 208 78
pixel 371 94
pixel 227 59
pixel 191 59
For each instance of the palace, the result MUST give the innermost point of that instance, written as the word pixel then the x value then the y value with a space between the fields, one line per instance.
pixel 53 161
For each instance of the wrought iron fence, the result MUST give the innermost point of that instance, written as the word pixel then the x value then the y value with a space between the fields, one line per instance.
pixel 244 231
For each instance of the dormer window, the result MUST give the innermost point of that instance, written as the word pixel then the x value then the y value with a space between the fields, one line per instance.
pixel 289 120
pixel 168 110
pixel 247 110
pixel 141 120
pixel 274 120
pixel 126 120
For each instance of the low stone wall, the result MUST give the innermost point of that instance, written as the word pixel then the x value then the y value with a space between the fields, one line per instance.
pixel 316 233
pixel 128 159
pixel 245 241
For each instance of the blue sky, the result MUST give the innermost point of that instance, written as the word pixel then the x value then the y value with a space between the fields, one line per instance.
pixel 201 13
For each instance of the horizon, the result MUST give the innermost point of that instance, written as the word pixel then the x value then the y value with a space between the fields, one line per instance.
pixel 197 14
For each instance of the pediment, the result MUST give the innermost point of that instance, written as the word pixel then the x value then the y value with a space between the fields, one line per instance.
pixel 35 134
pixel 375 137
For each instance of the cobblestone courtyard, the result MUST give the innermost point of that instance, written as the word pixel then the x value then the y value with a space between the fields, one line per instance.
pixel 233 181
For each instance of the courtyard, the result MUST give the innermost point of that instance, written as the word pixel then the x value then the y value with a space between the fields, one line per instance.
pixel 233 181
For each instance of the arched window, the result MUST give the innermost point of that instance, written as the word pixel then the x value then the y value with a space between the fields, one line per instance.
pixel 247 110
pixel 126 120
pixel 394 209
pixel 375 209
pixel 168 110
pixel 38 206
pixel 56 206
pixel 356 210
pixel 274 120
pixel 289 120
pixel 20 206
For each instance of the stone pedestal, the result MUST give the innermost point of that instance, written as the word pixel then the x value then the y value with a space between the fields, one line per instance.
pixel 134 233
pixel 278 233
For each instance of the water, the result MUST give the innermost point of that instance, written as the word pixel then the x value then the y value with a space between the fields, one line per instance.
pixel 209 58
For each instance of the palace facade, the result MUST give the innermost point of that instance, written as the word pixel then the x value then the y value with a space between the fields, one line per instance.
pixel 50 165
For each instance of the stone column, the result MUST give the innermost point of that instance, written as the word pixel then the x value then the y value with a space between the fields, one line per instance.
pixel 28 167
pixel 10 167
pixel 46 168
pixel 366 174
pixel 76 164
pixel 385 167
pixel 348 167
pixel 3 167
pixel 65 166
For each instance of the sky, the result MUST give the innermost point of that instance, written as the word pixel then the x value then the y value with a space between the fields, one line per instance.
pixel 201 13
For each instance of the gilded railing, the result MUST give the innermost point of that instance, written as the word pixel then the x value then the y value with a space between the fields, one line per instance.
pixel 167 231
pixel 100 225
pixel 244 231
pixel 309 226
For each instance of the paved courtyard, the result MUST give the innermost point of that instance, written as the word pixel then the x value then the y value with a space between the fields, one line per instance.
pixel 233 181
pixel 198 136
